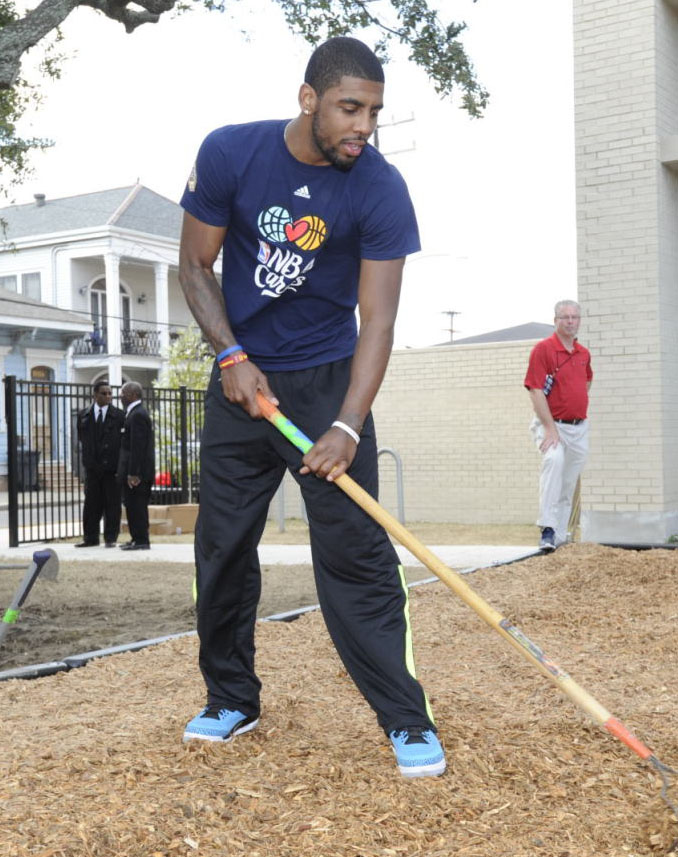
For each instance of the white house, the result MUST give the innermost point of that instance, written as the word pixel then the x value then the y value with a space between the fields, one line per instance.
pixel 88 290
pixel 110 259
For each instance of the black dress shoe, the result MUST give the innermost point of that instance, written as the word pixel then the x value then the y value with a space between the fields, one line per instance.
pixel 86 545
pixel 111 544
pixel 133 546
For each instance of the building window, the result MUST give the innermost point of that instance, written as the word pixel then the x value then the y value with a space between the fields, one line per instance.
pixel 98 306
pixel 30 286
pixel 97 301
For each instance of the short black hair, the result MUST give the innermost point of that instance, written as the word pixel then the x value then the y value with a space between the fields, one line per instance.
pixel 339 57
pixel 99 385
pixel 134 388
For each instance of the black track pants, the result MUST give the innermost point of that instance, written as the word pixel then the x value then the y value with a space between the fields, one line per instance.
pixel 102 499
pixel 359 583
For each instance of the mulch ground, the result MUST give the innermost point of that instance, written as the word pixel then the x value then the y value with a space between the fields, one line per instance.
pixel 92 763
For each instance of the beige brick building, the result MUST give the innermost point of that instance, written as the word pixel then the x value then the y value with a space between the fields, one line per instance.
pixel 626 106
pixel 458 417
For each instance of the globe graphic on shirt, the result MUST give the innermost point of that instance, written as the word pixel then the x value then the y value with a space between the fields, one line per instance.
pixel 272 222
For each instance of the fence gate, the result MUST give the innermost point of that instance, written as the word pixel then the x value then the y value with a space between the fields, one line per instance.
pixel 44 467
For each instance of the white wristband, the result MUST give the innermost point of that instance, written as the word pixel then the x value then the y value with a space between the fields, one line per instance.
pixel 349 431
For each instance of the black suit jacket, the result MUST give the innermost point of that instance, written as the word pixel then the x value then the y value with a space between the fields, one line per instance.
pixel 137 450
pixel 101 455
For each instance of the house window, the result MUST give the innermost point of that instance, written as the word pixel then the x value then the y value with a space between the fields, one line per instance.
pixel 97 300
pixel 125 310
pixel 98 306
pixel 30 286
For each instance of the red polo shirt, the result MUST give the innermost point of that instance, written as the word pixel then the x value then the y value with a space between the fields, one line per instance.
pixel 571 371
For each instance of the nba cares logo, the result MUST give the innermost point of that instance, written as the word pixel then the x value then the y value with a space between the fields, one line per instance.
pixel 276 225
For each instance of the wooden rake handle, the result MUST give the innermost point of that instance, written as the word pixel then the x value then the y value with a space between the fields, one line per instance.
pixel 529 650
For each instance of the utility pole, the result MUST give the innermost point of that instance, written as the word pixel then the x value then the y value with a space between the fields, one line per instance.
pixel 451 313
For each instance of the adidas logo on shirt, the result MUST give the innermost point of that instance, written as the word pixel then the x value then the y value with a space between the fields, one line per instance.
pixel 303 192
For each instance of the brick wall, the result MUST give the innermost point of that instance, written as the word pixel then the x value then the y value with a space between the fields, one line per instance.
pixel 626 98
pixel 458 417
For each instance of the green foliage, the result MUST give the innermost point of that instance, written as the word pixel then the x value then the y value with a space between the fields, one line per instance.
pixel 433 44
pixel 190 361
pixel 672 540
pixel 14 149
pixel 7 12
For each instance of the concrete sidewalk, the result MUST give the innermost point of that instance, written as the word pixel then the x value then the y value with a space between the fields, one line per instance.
pixel 455 556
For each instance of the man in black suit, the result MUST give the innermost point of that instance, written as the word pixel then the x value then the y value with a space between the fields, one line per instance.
pixel 99 432
pixel 136 468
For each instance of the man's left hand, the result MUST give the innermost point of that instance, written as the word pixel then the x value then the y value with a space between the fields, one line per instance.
pixel 330 456
pixel 133 481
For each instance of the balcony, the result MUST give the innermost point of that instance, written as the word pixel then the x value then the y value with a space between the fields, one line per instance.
pixel 139 341
pixel 136 340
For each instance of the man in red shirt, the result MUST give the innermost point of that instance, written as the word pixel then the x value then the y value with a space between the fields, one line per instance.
pixel 558 379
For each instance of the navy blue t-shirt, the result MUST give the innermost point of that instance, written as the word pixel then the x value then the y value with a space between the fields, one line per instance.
pixel 296 235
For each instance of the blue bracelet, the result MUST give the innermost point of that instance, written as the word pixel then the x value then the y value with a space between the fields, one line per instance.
pixel 228 351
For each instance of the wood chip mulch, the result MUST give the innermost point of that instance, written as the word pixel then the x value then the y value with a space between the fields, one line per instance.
pixel 92 763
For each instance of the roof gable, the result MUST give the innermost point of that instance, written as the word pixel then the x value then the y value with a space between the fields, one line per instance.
pixel 519 333
pixel 149 212
pixel 134 207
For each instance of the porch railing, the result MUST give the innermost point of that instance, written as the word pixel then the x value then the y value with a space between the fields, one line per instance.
pixel 135 340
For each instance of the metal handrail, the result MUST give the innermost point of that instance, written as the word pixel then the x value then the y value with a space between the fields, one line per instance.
pixel 385 450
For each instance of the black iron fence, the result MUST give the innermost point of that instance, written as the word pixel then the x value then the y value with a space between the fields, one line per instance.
pixel 44 468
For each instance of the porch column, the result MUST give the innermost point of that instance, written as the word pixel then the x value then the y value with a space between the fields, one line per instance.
pixel 162 310
pixel 113 339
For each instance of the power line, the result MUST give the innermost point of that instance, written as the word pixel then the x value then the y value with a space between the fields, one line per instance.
pixel 108 315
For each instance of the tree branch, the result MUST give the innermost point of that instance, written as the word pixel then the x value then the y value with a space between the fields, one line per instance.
pixel 433 45
pixel 131 18
pixel 20 35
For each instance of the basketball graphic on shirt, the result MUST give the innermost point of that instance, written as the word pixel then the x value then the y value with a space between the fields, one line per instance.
pixel 276 225
pixel 272 223
pixel 314 235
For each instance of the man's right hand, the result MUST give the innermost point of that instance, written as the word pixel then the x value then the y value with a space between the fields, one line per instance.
pixel 551 438
pixel 241 383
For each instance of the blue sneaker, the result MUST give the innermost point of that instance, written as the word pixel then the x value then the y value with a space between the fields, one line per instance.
pixel 215 723
pixel 548 539
pixel 418 752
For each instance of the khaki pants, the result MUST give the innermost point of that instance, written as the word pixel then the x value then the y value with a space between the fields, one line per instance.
pixel 561 466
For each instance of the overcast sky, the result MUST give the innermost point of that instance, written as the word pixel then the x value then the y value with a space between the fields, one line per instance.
pixel 494 197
